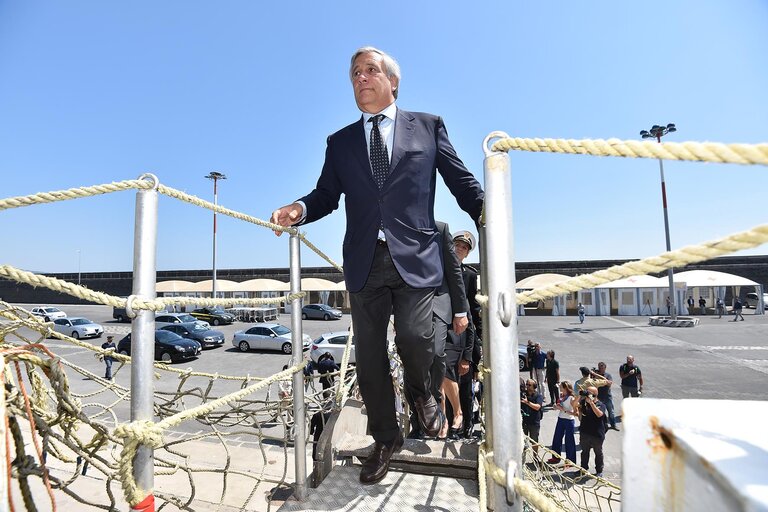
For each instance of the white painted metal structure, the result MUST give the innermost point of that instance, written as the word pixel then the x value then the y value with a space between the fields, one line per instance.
pixel 694 455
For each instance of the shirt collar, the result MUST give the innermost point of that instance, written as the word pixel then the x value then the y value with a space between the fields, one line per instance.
pixel 388 112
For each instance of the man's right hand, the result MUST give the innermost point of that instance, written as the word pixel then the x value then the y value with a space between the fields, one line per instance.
pixel 287 216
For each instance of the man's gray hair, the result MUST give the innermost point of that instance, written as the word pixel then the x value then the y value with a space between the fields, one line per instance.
pixel 390 64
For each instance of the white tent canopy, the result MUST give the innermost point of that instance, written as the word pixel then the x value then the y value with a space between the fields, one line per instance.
pixel 173 286
pixel 637 282
pixel 263 285
pixel 540 280
pixel 695 278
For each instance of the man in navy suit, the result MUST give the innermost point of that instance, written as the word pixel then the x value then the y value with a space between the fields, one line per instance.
pixel 386 164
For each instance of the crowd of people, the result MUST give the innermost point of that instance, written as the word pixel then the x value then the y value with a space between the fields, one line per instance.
pixel 588 400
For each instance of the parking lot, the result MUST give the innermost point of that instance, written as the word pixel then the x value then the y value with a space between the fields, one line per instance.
pixel 719 359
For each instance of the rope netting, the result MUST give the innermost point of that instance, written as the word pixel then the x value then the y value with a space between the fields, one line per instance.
pixel 219 439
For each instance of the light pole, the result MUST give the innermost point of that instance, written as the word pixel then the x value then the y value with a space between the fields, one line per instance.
pixel 215 176
pixel 78 267
pixel 657 132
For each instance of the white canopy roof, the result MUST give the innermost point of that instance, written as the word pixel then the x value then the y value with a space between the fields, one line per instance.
pixel 638 282
pixel 222 285
pixel 173 286
pixel 263 285
pixel 540 280
pixel 694 278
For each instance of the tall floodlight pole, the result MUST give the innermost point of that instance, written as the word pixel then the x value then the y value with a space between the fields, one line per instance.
pixel 78 267
pixel 215 176
pixel 657 132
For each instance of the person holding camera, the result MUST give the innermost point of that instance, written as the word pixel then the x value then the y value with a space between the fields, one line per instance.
pixel 591 429
pixel 568 408
pixel 604 392
pixel 531 403
pixel 631 378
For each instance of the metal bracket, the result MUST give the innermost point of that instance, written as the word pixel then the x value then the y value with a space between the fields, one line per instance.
pixel 505 308
pixel 511 474
pixel 486 141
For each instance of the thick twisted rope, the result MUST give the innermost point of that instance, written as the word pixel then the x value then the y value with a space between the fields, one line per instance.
pixel 655 264
pixel 745 154
pixel 72 193
pixel 525 489
pixel 303 238
pixel 81 292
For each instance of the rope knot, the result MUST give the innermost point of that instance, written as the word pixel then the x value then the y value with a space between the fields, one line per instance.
pixel 140 432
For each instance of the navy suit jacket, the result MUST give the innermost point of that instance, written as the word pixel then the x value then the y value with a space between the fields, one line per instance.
pixel 404 206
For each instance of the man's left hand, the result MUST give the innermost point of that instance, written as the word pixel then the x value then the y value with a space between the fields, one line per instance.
pixel 460 324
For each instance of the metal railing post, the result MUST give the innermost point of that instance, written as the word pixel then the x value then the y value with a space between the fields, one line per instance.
pixel 3 453
pixel 501 325
pixel 143 326
pixel 299 411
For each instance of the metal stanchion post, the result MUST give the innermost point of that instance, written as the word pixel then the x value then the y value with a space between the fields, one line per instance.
pixel 299 411
pixel 501 324
pixel 143 326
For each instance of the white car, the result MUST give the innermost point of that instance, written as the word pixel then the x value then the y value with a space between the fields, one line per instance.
pixel 752 299
pixel 334 343
pixel 48 313
pixel 78 327
pixel 266 336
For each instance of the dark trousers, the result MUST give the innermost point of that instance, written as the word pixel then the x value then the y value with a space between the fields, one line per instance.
pixel 436 371
pixel 554 393
pixel 386 293
pixel 590 442
pixel 466 399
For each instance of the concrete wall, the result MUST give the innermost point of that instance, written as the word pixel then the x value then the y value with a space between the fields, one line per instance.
pixel 120 283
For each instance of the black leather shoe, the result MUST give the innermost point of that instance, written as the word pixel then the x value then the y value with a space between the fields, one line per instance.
pixel 430 415
pixel 376 465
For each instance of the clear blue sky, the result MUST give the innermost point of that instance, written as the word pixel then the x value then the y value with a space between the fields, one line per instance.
pixel 94 92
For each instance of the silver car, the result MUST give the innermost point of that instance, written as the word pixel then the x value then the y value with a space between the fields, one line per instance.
pixel 78 327
pixel 320 312
pixel 163 319
pixel 267 336
pixel 48 313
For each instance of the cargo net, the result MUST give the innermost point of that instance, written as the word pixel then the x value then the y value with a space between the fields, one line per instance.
pixel 223 440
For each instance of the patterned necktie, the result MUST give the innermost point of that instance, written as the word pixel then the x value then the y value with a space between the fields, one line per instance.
pixel 379 157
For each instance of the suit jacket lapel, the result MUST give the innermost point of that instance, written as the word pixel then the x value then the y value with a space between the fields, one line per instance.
pixel 360 147
pixel 403 133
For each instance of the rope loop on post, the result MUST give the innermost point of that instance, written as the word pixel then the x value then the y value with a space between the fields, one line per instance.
pixel 148 176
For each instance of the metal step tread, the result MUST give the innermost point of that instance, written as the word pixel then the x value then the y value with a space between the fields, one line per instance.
pixel 425 452
pixel 397 492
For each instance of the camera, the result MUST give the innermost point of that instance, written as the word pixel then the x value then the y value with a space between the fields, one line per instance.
pixel 586 394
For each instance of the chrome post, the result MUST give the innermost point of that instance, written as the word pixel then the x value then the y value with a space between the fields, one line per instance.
pixel 143 326
pixel 501 323
pixel 299 411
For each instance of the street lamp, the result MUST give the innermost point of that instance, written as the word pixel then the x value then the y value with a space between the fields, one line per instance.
pixel 657 132
pixel 78 267
pixel 215 176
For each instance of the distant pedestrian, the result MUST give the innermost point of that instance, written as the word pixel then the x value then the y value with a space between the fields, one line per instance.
pixel 529 351
pixel 531 403
pixel 552 377
pixel 539 361
pixel 690 304
pixel 720 305
pixel 109 344
pixel 581 311
pixel 737 305
pixel 669 305
pixel 592 430
pixel 326 367
pixel 702 305
pixel 568 410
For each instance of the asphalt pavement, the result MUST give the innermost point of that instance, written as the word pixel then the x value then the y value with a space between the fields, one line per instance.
pixel 718 359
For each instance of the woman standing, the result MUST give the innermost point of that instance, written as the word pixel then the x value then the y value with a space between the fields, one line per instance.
pixel 568 405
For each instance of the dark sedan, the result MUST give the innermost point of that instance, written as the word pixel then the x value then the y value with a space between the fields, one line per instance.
pixel 169 347
pixel 320 312
pixel 214 316
pixel 198 331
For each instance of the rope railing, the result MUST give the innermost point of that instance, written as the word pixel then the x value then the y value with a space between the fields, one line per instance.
pixel 674 259
pixel 744 154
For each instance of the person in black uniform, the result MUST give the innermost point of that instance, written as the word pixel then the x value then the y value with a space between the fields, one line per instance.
pixel 464 242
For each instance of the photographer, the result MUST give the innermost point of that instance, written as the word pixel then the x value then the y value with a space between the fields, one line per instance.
pixel 531 403
pixel 604 392
pixel 591 429
pixel 631 378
